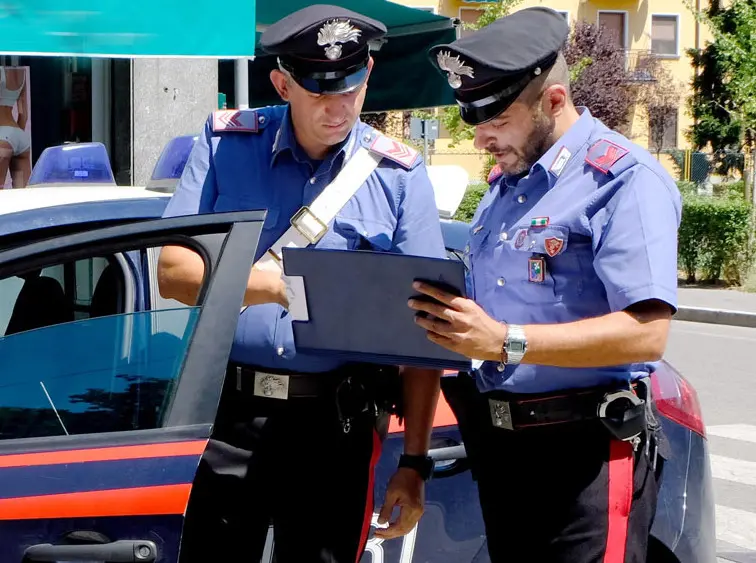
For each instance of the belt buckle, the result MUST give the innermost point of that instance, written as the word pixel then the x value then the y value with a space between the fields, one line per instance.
pixel 501 414
pixel 271 386
pixel 303 215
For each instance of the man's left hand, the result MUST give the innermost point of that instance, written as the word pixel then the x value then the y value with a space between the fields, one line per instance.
pixel 459 324
pixel 406 490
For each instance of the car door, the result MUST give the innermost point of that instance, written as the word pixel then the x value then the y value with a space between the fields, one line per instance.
pixel 106 405
pixel 451 529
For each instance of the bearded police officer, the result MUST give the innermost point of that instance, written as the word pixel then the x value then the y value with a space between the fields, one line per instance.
pixel 298 436
pixel 573 272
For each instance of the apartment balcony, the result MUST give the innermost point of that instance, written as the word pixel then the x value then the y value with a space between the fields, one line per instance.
pixel 640 65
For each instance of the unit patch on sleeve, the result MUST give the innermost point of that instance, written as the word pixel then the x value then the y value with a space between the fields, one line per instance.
pixel 242 121
pixel 394 150
pixel 604 154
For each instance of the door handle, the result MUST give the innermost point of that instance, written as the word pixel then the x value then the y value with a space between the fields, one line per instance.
pixel 451 453
pixel 123 551
pixel 448 461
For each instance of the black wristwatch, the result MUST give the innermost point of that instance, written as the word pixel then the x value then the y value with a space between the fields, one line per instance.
pixel 420 463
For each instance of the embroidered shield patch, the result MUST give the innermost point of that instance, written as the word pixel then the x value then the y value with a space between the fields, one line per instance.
pixel 553 246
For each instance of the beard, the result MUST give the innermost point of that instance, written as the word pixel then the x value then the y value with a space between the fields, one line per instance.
pixel 537 143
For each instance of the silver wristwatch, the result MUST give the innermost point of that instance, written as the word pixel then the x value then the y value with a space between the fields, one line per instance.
pixel 515 346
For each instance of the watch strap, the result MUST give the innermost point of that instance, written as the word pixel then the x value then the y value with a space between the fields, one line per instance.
pixel 420 463
pixel 516 344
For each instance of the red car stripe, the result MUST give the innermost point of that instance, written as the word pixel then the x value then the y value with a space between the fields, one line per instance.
pixel 141 501
pixel 168 449
pixel 370 501
pixel 620 500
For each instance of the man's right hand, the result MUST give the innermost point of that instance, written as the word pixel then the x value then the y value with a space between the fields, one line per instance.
pixel 266 286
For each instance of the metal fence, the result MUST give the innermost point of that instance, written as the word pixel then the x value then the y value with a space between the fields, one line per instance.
pixel 711 170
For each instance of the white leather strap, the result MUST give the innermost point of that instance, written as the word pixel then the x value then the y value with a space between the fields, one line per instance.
pixel 310 224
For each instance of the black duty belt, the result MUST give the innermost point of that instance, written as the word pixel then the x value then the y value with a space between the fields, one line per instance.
pixel 612 407
pixel 266 384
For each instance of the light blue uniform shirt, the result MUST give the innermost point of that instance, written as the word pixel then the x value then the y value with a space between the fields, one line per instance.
pixel 233 170
pixel 611 214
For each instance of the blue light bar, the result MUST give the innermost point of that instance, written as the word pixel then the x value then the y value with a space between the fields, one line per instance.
pixel 73 164
pixel 171 163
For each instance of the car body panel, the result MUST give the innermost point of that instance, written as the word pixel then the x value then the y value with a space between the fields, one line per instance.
pixel 452 528
pixel 118 484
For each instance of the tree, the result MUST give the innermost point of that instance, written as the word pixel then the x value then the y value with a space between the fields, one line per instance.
pixel 599 79
pixel 660 97
pixel 722 104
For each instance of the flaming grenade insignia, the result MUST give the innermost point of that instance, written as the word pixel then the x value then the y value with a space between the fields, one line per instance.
pixel 454 67
pixel 334 32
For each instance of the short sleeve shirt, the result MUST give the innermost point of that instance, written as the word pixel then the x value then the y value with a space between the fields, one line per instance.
pixel 261 166
pixel 590 229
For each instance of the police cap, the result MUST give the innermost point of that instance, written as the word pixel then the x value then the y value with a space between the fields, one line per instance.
pixel 325 48
pixel 489 68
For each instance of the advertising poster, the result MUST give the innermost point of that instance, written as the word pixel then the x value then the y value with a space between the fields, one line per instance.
pixel 15 126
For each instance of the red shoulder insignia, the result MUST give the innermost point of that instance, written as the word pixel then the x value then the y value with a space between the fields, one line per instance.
pixel 604 154
pixel 394 150
pixel 242 121
pixel 494 174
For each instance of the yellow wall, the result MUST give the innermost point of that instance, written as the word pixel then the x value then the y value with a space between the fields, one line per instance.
pixel 638 22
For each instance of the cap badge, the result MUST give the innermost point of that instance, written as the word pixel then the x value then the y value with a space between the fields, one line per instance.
pixel 334 32
pixel 454 67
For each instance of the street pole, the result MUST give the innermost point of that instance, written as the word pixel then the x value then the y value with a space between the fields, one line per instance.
pixel 425 141
pixel 241 83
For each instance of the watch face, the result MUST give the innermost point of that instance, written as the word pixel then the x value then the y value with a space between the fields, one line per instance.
pixel 516 347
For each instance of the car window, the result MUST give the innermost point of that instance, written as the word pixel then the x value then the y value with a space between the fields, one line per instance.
pixel 80 282
pixel 79 353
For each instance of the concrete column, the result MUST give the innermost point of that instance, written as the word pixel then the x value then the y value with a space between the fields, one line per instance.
pixel 101 102
pixel 171 97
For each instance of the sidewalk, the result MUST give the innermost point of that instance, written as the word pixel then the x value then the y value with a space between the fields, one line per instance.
pixel 718 306
pixel 717 299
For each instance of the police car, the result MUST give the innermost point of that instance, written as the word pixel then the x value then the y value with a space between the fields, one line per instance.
pixel 109 391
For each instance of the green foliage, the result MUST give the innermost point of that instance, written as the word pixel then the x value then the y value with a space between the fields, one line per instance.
pixel 493 11
pixel 723 103
pixel 576 70
pixel 730 190
pixel 687 188
pixel 452 122
pixel 716 238
pixel 469 204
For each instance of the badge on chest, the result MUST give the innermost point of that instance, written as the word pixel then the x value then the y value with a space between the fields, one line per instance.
pixel 536 269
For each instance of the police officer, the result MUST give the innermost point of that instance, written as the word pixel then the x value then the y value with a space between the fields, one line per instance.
pixel 298 436
pixel 573 277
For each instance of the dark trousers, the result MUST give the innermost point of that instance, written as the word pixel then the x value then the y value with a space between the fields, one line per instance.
pixel 288 463
pixel 559 493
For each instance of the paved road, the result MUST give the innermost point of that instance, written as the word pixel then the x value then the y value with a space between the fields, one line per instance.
pixel 720 362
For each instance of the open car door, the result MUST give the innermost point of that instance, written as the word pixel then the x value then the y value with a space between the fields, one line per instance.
pixel 106 401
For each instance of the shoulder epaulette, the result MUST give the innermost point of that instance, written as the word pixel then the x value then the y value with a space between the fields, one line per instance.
pixel 237 121
pixel 494 174
pixel 394 150
pixel 604 154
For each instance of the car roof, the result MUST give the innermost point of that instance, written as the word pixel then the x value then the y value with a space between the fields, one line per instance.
pixel 34 213
pixel 36 210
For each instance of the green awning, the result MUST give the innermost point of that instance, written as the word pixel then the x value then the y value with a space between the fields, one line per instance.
pixel 403 77
pixel 128 28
